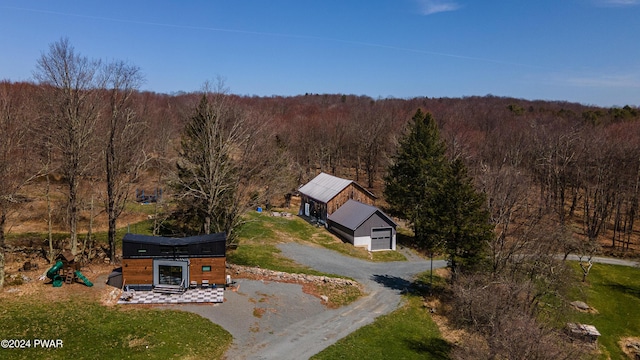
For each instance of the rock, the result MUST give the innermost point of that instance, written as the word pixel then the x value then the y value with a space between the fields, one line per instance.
pixel 580 305
pixel 324 298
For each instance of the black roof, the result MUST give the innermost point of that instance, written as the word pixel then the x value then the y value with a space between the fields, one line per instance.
pixel 136 246
pixel 159 240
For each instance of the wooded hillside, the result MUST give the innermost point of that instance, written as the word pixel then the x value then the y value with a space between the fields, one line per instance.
pixel 562 164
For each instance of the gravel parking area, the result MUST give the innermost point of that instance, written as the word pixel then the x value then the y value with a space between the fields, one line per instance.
pixel 271 320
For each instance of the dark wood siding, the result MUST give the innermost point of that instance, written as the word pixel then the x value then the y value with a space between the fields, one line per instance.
pixel 137 271
pixel 353 192
pixel 217 275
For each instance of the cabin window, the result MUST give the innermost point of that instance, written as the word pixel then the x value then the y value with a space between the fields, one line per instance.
pixel 164 249
pixel 182 250
pixel 142 251
pixel 206 249
pixel 206 268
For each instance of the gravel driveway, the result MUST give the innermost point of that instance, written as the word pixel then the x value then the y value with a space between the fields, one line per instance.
pixel 270 320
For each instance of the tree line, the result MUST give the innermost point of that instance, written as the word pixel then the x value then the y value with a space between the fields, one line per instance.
pixel 85 123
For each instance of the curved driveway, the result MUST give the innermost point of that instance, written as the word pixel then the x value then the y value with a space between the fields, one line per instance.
pixel 290 324
pixel 295 325
pixel 383 283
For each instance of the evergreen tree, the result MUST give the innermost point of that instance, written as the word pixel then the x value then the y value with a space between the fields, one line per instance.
pixel 415 176
pixel 463 218
pixel 437 197
pixel 207 179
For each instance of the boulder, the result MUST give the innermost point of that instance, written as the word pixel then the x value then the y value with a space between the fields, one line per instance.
pixel 580 305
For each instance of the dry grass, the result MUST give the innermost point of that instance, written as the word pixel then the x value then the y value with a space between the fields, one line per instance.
pixel 31 215
pixel 43 290
pixel 627 349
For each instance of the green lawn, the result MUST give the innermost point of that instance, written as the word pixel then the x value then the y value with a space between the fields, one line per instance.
pixel 89 330
pixel 261 229
pixel 407 333
pixel 614 291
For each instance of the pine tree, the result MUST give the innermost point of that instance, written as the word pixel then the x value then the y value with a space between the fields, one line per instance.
pixel 437 197
pixel 415 176
pixel 464 227
pixel 206 174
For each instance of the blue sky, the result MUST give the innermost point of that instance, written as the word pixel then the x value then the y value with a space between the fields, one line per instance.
pixel 585 51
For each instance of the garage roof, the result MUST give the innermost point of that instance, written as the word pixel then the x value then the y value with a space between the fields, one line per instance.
pixel 354 213
pixel 325 187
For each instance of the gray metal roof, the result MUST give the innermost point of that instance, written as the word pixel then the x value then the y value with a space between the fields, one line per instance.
pixel 324 187
pixel 354 213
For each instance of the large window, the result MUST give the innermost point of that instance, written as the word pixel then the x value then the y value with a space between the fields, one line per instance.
pixel 170 275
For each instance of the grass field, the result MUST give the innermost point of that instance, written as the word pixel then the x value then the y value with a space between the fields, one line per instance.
pixel 614 292
pixel 407 333
pixel 89 330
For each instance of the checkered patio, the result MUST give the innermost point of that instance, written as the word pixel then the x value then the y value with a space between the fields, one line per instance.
pixel 209 295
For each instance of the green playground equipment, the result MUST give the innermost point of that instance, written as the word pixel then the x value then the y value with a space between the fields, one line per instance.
pixel 54 276
pixel 58 279
pixel 83 278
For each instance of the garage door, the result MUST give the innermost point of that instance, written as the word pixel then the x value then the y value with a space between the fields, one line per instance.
pixel 381 239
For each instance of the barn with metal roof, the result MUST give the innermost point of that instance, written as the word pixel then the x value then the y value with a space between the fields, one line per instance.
pixel 326 193
pixel 364 226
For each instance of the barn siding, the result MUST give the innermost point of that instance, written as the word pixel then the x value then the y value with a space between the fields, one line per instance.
pixel 352 192
pixel 217 275
pixel 137 271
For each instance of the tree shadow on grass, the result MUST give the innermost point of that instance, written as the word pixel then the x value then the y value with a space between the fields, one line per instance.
pixel 405 240
pixel 392 282
pixel 431 348
pixel 625 289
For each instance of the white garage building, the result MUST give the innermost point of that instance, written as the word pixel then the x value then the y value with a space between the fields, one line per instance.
pixel 364 226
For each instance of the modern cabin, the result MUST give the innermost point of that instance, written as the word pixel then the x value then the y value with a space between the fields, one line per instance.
pixel 149 261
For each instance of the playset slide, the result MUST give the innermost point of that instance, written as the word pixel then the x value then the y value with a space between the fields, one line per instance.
pixel 83 278
pixel 58 280
pixel 53 274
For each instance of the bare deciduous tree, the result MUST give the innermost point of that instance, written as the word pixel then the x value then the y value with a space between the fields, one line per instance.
pixel 15 167
pixel 70 107
pixel 502 315
pixel 124 149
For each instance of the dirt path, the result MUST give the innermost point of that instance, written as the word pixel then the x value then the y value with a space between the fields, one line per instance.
pixel 294 325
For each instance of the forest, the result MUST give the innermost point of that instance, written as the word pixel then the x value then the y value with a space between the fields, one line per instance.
pixel 574 168
pixel 576 164
pixel 559 178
